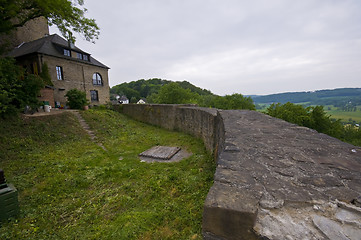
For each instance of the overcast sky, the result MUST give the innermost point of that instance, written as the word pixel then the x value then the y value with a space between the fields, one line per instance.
pixel 230 46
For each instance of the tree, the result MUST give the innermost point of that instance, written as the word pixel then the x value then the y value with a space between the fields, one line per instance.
pixel 172 93
pixel 131 93
pixel 291 113
pixel 320 121
pixel 9 84
pixel 238 101
pixel 28 94
pixel 352 135
pixel 76 99
pixel 312 117
pixel 133 100
pixel 234 101
pixel 67 15
pixel 17 89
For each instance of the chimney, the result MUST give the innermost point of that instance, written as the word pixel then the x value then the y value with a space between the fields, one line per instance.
pixel 71 44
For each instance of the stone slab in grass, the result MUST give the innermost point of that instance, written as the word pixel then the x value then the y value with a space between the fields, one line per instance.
pixel 164 154
pixel 160 152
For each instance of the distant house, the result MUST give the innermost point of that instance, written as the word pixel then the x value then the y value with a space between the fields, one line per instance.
pixel 69 67
pixel 141 101
pixel 123 100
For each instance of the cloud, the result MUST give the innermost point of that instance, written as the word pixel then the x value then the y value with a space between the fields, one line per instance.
pixel 251 47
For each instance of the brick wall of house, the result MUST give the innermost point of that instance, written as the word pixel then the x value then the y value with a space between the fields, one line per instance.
pixel 47 94
pixel 77 75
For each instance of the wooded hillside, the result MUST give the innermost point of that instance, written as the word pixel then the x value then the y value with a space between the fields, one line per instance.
pixel 337 97
pixel 145 88
pixel 169 92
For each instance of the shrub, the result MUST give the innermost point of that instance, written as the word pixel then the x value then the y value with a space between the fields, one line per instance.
pixel 234 101
pixel 76 99
pixel 172 93
pixel 17 89
pixel 311 117
pixel 45 75
pixel 291 113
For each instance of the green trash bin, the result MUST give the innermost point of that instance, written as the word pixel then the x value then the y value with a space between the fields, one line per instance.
pixel 9 205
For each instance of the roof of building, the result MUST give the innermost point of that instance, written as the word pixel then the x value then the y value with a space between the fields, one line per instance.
pixel 123 98
pixel 52 45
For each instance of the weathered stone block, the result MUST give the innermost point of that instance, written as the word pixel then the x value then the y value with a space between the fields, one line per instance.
pixel 229 213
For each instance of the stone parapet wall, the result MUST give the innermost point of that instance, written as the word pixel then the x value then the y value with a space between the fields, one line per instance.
pixel 158 115
pixel 199 122
pixel 274 179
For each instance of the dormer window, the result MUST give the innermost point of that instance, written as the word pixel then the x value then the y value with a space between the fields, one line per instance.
pixel 85 57
pixel 66 52
pixel 79 55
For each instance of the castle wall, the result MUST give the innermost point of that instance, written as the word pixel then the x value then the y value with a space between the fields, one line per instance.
pixel 32 30
pixel 274 179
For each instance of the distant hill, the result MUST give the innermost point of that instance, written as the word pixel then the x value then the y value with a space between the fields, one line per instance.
pixel 144 88
pixel 337 97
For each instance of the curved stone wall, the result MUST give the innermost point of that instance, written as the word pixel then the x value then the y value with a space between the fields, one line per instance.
pixel 199 122
pixel 274 180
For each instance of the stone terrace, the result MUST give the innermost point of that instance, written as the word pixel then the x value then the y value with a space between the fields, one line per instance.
pixel 274 180
pixel 282 181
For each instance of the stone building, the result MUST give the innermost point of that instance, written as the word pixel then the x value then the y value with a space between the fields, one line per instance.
pixel 69 66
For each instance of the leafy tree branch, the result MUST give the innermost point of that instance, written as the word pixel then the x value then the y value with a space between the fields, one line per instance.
pixel 67 15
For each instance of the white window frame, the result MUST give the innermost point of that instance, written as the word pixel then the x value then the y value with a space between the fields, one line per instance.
pixel 97 79
pixel 59 73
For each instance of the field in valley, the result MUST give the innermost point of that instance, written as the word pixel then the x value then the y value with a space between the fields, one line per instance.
pixel 334 112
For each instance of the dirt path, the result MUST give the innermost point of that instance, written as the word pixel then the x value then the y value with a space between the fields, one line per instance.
pixel 86 127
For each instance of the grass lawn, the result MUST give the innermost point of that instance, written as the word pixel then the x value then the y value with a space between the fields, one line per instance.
pixel 70 188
